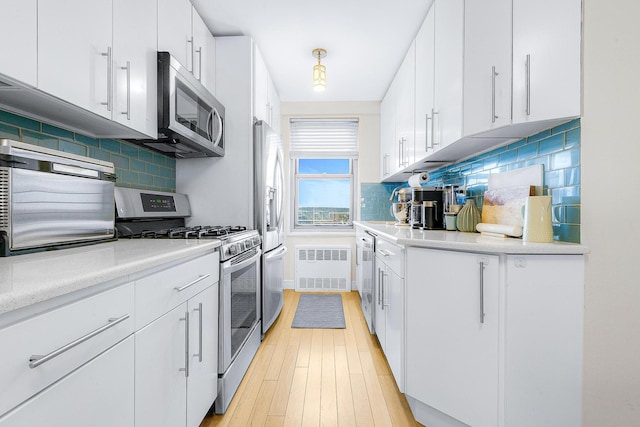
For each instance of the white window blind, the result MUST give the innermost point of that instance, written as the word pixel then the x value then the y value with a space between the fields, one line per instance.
pixel 324 138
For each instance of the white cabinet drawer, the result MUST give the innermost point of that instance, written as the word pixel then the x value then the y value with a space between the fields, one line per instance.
pixel 391 254
pixel 68 337
pixel 164 290
pixel 99 394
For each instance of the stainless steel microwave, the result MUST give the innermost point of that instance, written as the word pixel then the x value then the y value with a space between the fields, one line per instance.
pixel 190 118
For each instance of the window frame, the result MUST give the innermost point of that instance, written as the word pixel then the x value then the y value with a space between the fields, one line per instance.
pixel 295 179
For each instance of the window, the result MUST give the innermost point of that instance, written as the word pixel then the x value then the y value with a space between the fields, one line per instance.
pixel 324 160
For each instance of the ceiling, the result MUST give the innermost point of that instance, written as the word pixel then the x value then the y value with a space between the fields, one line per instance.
pixel 365 39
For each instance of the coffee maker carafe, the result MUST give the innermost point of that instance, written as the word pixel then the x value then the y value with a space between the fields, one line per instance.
pixel 427 208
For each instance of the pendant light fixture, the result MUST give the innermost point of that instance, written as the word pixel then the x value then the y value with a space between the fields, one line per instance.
pixel 319 71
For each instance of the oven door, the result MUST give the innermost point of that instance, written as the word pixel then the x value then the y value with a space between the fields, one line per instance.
pixel 239 304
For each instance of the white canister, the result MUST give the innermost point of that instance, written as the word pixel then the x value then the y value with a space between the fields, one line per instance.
pixel 537 220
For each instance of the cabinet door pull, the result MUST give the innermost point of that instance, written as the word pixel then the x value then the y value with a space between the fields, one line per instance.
pixel 199 354
pixel 109 102
pixel 426 134
pixel 188 285
pixel 493 94
pixel 37 360
pixel 400 153
pixel 433 127
pixel 528 83
pixel 385 164
pixel 128 69
pixel 199 52
pixel 186 344
pixel 190 49
pixel 384 284
pixel 379 286
pixel 481 291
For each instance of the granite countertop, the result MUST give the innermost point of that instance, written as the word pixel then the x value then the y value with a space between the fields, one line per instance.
pixel 32 278
pixel 475 242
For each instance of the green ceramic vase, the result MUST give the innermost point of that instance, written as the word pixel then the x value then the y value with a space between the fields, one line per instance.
pixel 468 217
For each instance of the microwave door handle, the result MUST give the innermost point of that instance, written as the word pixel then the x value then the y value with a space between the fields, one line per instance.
pixel 219 136
pixel 209 123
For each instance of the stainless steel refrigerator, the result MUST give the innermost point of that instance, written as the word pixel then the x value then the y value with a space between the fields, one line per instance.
pixel 245 187
pixel 269 218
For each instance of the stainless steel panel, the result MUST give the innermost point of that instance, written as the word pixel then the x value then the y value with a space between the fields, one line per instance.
pixel 49 209
pixel 49 197
pixel 272 286
pixel 269 186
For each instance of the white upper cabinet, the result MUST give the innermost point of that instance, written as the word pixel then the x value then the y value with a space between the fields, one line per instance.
pixel 174 30
pixel 266 102
pixel 405 108
pixel 183 33
pixel 546 59
pixel 135 65
pixel 424 87
pixel 75 52
pixel 19 44
pixel 448 57
pixel 487 65
pixel 388 152
pixel 204 53
pixel 101 56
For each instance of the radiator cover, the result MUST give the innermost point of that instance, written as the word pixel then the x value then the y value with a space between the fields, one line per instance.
pixel 323 268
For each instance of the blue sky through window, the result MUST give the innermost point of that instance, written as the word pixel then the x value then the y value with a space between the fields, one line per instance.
pixel 324 193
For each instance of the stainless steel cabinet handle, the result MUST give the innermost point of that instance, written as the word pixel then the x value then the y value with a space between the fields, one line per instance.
pixel 385 164
pixel 199 52
pixel 199 279
pixel 186 344
pixel 37 360
pixel 109 102
pixel 199 354
pixel 384 285
pixel 481 291
pixel 433 127
pixel 400 153
pixel 190 49
pixel 528 83
pixel 493 94
pixel 426 134
pixel 128 69
pixel 379 286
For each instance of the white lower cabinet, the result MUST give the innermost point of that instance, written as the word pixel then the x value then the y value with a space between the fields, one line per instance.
pixel 388 315
pixel 494 340
pixel 98 394
pixel 176 364
pixel 143 352
pixel 452 333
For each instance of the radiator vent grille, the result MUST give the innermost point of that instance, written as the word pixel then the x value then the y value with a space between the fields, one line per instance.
pixel 4 199
pixel 323 269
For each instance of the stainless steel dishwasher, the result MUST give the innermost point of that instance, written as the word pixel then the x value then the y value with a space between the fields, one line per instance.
pixel 365 243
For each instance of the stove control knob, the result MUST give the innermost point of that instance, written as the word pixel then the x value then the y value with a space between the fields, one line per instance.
pixel 233 249
pixel 256 241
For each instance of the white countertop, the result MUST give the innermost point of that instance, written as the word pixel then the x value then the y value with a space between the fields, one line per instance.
pixel 33 278
pixel 475 242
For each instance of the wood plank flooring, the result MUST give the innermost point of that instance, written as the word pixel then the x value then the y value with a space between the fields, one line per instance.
pixel 317 377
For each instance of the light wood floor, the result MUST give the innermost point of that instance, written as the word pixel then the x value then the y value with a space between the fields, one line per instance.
pixel 317 377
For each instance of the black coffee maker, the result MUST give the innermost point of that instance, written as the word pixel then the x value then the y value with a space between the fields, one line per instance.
pixel 427 208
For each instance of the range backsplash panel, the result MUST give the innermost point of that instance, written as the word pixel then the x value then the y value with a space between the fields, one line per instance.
pixel 558 149
pixel 136 167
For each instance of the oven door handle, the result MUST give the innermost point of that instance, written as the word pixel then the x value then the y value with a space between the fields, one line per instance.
pixel 229 268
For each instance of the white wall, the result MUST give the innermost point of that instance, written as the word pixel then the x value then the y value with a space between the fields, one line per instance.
pixel 368 114
pixel 610 160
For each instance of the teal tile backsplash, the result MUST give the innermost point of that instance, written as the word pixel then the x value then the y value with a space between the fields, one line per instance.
pixel 136 166
pixel 557 149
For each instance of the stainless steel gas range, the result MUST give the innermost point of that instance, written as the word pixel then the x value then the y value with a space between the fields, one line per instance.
pixel 161 215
